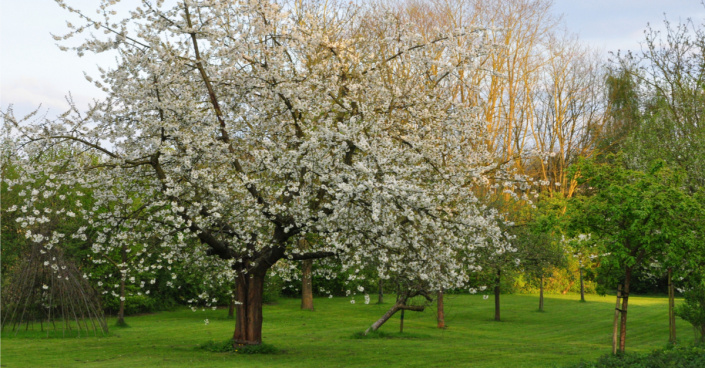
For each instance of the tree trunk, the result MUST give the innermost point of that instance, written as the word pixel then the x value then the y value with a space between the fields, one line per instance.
pixel 541 294
pixel 121 310
pixel 123 276
pixel 401 322
pixel 248 322
pixel 380 292
pixel 625 303
pixel 306 285
pixel 441 314
pixel 384 319
pixel 496 295
pixel 231 309
pixel 399 305
pixel 615 332
pixel 671 308
pixel 582 285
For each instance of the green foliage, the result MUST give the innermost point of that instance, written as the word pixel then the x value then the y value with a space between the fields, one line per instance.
pixel 624 115
pixel 329 279
pixel 635 216
pixel 12 234
pixel 655 100
pixel 227 346
pixel 257 349
pixel 562 280
pixel 538 250
pixel 218 347
pixel 676 357
pixel 272 289
pixel 138 304
pixel 693 310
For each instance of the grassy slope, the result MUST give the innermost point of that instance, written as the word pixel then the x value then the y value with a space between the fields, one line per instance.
pixel 567 332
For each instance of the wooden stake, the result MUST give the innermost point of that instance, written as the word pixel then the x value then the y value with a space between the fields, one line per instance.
pixel 616 320
pixel 671 308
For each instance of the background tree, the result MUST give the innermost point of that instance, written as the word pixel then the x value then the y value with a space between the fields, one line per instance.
pixel 666 79
pixel 540 251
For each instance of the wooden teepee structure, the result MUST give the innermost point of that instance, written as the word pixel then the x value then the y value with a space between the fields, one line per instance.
pixel 48 290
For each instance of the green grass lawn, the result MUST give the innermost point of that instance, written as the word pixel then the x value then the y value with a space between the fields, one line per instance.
pixel 566 332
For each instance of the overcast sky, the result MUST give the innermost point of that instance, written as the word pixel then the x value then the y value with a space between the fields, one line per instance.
pixel 33 71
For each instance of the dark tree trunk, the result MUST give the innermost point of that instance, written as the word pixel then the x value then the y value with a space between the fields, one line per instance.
pixel 496 294
pixel 625 303
pixel 541 294
pixel 380 292
pixel 121 310
pixel 231 309
pixel 248 322
pixel 306 285
pixel 582 285
pixel 401 322
pixel 671 308
pixel 441 313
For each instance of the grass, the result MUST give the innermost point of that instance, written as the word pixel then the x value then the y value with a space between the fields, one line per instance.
pixel 568 331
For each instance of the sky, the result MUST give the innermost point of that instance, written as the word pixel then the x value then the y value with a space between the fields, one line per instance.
pixel 34 71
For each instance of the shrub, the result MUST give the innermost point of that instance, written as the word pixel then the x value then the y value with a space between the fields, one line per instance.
pixel 228 347
pixel 675 356
pixel 693 310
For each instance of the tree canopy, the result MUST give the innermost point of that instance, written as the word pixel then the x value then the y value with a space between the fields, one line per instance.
pixel 248 124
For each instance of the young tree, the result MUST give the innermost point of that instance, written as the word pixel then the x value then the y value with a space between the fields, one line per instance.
pixel 247 124
pixel 634 217
pixel 494 264
pixel 540 250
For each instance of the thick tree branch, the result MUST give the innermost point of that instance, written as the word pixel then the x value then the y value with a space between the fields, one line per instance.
pixel 312 255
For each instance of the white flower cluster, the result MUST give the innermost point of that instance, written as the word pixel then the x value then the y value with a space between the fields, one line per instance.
pixel 250 126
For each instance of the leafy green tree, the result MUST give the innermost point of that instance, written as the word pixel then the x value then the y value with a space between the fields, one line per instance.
pixel 623 113
pixel 635 217
pixel 540 251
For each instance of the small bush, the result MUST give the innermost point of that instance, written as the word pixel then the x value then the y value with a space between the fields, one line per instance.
pixel 228 347
pixel 693 310
pixel 218 347
pixel 138 304
pixel 677 356
pixel 256 349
